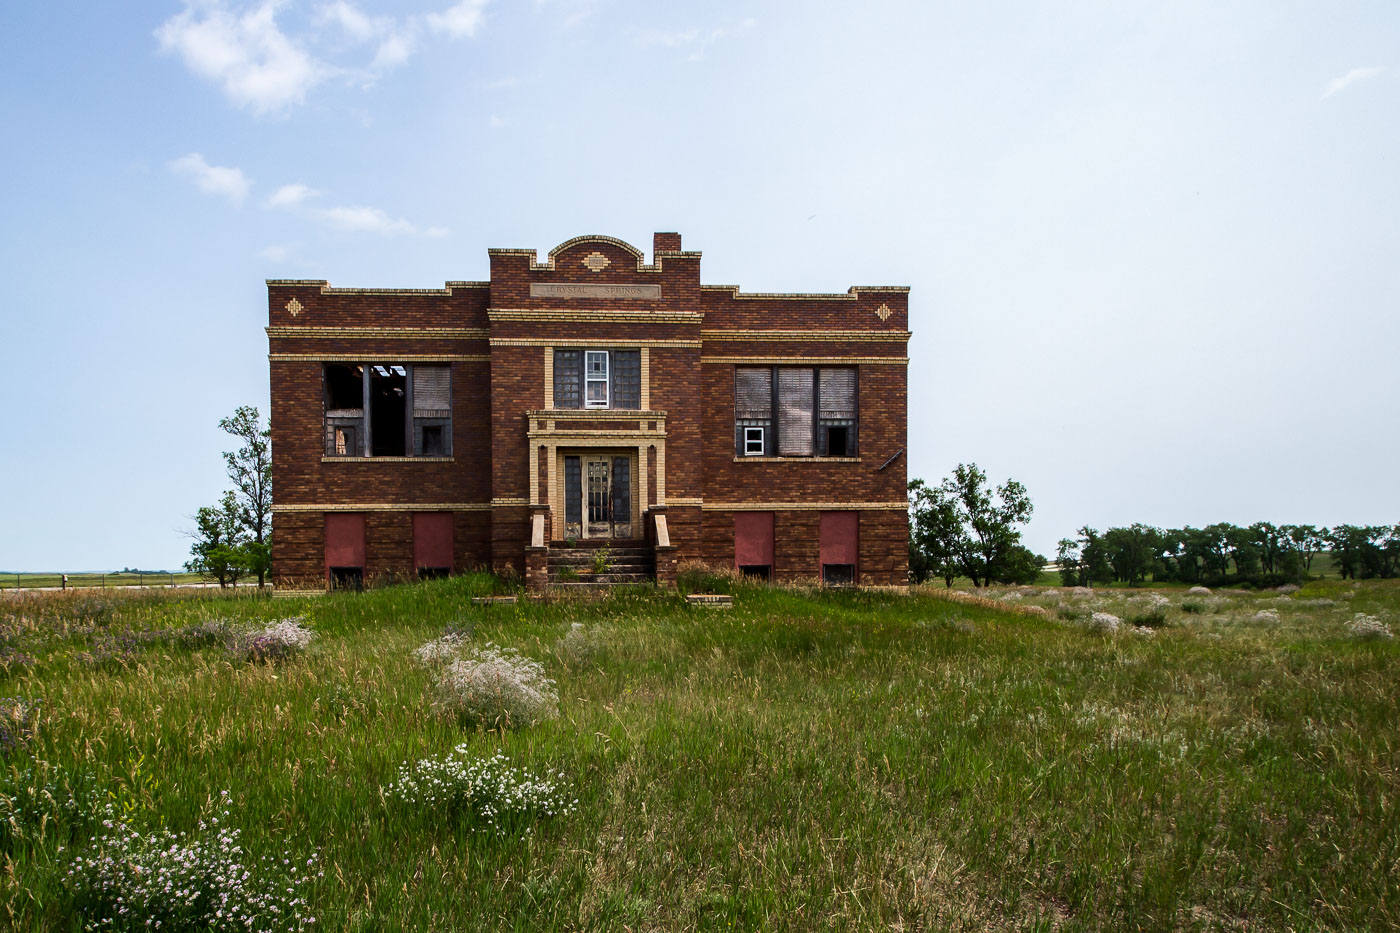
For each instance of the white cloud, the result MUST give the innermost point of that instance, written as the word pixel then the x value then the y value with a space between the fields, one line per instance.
pixel 212 179
pixel 257 65
pixel 357 25
pixel 695 41
pixel 458 21
pixel 396 49
pixel 290 195
pixel 1337 85
pixel 497 121
pixel 364 220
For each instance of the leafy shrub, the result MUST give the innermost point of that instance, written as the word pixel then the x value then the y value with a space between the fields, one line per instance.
pixel 141 880
pixel 498 687
pixel 1364 627
pixel 19 721
pixel 278 641
pixel 1193 606
pixel 488 790
pixel 1150 610
pixel 1071 613
pixel 1104 623
pixel 694 576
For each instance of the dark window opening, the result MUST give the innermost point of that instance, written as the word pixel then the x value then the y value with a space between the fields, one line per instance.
pixel 344 388
pixel 836 441
pixel 432 441
pixel 346 442
pixel 434 573
pixel 757 571
pixel 347 578
pixel 838 574
pixel 388 396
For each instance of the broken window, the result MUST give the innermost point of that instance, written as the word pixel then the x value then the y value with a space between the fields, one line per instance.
pixel 344 395
pixel 597 379
pixel 815 411
pixel 387 410
pixel 838 574
pixel 388 398
pixel 836 411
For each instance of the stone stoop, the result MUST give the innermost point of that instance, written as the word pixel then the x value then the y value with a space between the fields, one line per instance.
pixel 572 567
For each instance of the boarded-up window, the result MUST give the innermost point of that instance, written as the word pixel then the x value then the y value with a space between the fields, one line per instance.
pixel 432 391
pixel 345 547
pixel 836 411
pixel 627 379
pixel 795 423
pixel 432 543
pixel 753 410
pixel 840 546
pixel 753 540
pixel 568 379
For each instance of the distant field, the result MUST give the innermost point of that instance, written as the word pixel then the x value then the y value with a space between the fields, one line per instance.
pixel 804 760
pixel 45 580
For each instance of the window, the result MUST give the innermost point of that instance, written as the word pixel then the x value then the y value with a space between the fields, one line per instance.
pixel 795 411
pixel 595 379
pixel 838 574
pixel 387 410
pixel 756 571
pixel 598 379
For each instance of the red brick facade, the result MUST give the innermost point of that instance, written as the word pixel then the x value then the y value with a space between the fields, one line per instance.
pixel 512 453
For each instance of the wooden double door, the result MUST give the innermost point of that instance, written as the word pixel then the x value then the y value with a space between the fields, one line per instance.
pixel 598 496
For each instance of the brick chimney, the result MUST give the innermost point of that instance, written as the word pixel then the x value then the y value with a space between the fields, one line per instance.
pixel 665 242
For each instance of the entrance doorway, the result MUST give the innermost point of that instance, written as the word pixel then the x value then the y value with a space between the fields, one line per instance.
pixel 597 496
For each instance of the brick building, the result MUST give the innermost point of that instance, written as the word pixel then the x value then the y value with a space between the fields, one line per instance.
pixel 592 398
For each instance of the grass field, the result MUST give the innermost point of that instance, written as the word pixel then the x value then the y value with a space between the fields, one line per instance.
pixel 833 760
pixel 30 581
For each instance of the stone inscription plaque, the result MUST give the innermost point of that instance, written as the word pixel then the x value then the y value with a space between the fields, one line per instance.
pixel 593 290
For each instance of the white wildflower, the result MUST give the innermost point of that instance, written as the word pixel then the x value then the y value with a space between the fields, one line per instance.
pixel 1199 591
pixel 498 687
pixel 1365 627
pixel 1104 623
pixel 442 650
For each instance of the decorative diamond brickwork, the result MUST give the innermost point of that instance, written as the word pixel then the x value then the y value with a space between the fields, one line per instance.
pixel 294 307
pixel 596 261
pixel 884 312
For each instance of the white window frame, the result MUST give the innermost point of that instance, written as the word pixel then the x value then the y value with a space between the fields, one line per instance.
pixel 749 438
pixel 589 377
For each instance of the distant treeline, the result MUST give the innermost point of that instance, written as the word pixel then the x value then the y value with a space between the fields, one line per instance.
pixel 1262 554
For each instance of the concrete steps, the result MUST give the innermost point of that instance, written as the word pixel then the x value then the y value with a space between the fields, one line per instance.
pixel 578 567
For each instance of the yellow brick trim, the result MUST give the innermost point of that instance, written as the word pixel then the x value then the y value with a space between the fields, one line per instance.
pixel 396 356
pixel 326 289
pixel 574 315
pixel 900 506
pixel 325 459
pixel 849 295
pixel 508 501
pixel 548 264
pixel 597 414
pixel 686 502
pixel 619 342
pixel 646 377
pixel 371 333
pixel 549 377
pixel 870 336
pixel 797 460
pixel 813 360
pixel 382 507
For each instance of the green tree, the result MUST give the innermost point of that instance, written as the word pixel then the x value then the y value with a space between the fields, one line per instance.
pixel 219 548
pixel 935 535
pixel 1132 551
pixel 250 471
pixel 1067 557
pixel 976 525
pixel 1018 564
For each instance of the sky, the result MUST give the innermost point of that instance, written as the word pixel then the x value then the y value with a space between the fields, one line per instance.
pixel 1154 249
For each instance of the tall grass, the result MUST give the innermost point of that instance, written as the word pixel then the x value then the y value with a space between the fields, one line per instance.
pixel 803 760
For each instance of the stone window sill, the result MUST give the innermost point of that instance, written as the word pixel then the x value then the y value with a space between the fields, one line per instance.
pixel 325 459
pixel 797 460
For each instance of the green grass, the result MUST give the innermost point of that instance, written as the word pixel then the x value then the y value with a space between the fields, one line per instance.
pixel 838 760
